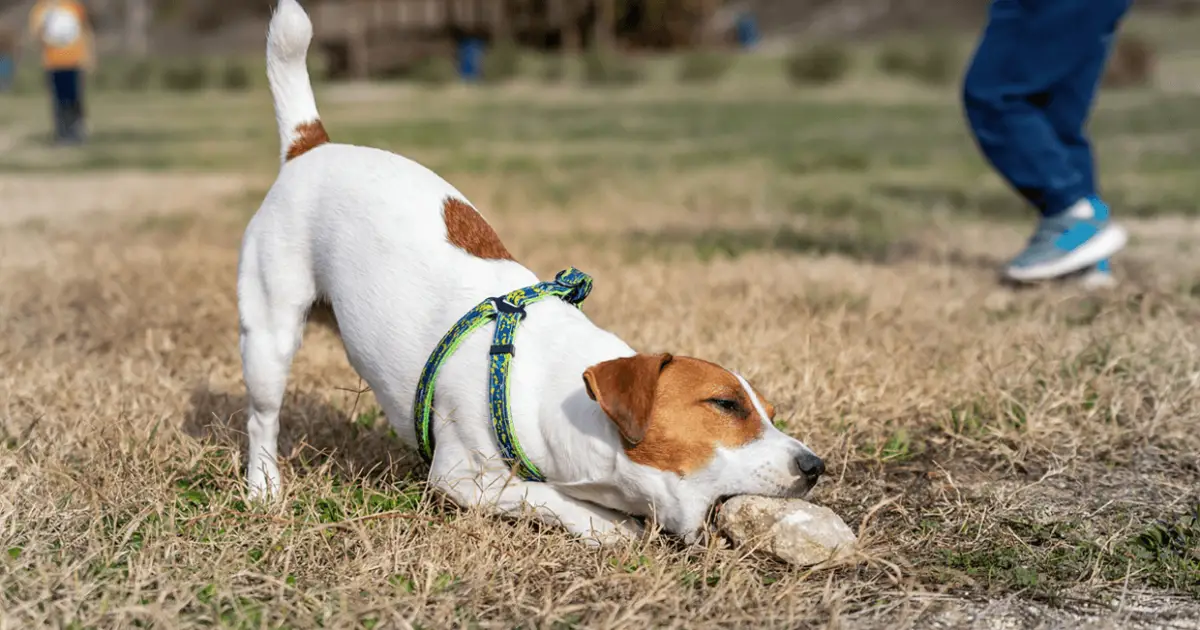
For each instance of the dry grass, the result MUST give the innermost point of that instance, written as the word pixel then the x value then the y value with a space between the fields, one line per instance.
pixel 1025 458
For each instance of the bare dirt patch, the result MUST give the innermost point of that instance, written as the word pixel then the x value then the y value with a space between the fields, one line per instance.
pixel 61 199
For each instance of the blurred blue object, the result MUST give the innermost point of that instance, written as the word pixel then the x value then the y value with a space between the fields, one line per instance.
pixel 7 71
pixel 470 59
pixel 747 30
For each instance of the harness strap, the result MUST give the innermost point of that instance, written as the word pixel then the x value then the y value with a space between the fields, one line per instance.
pixel 571 285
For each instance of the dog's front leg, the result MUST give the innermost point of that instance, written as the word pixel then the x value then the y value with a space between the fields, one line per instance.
pixel 597 525
pixel 510 496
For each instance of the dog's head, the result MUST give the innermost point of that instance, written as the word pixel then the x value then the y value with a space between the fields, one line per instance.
pixel 703 427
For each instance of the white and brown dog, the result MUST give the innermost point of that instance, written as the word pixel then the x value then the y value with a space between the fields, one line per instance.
pixel 399 255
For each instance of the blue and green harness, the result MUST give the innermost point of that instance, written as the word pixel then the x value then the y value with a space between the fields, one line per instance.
pixel 571 285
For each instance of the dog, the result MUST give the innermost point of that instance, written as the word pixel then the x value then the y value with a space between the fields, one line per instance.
pixel 398 254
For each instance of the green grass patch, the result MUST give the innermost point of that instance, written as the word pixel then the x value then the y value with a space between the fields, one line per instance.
pixel 863 244
pixel 930 61
pixel 822 63
pixel 704 67
pixel 606 68
pixel 1045 560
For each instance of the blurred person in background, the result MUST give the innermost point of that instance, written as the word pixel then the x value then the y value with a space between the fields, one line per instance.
pixel 8 59
pixel 62 29
pixel 1027 95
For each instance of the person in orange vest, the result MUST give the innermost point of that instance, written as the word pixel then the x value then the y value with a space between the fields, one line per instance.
pixel 64 32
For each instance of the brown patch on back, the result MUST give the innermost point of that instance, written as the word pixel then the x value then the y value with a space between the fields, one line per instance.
pixel 467 230
pixel 668 403
pixel 309 136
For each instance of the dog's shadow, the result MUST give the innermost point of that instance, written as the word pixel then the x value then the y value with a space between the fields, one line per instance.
pixel 312 433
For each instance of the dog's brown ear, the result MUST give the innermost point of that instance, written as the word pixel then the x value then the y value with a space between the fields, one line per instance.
pixel 625 390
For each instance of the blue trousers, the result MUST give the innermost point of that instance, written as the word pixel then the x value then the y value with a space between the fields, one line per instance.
pixel 8 70
pixel 1029 90
pixel 66 87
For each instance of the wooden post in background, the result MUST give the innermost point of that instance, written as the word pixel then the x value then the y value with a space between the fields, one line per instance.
pixel 566 20
pixel 359 48
pixel 706 10
pixel 602 33
pixel 502 25
pixel 137 27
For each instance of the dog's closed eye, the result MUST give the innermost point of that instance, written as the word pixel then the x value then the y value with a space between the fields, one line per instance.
pixel 728 405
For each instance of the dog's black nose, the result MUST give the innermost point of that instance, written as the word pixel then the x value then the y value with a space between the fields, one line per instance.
pixel 811 466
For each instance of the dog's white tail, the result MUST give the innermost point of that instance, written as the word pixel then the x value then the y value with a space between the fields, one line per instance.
pixel 288 37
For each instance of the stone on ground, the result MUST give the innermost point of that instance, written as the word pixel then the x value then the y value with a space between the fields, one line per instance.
pixel 793 530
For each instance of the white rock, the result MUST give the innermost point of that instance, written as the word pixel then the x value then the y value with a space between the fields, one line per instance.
pixel 794 530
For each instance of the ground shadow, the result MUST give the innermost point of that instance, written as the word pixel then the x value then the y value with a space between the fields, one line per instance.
pixel 312 432
pixel 709 243
pixel 999 205
pixel 870 247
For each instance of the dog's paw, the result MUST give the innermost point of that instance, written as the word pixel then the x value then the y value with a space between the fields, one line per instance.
pixel 261 491
pixel 701 537
pixel 611 534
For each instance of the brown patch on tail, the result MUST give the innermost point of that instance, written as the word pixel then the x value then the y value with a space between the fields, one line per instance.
pixel 309 136
pixel 467 230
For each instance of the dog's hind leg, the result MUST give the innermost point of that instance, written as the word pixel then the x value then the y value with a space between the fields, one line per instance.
pixel 273 300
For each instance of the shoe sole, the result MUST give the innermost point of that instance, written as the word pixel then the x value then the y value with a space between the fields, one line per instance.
pixel 1101 246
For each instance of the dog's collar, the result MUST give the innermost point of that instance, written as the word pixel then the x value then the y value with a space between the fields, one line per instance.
pixel 571 286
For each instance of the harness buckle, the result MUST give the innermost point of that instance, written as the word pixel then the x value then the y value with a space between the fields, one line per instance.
pixel 505 307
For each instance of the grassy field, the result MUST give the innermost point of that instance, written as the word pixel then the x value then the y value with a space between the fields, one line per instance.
pixel 1009 458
